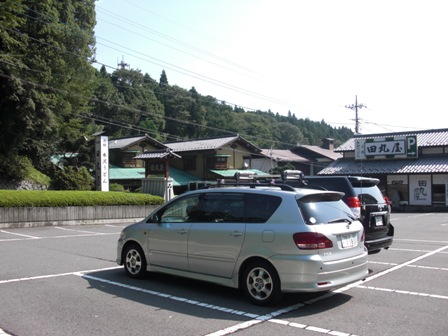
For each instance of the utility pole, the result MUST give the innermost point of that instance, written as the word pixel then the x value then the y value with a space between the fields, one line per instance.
pixel 123 65
pixel 355 107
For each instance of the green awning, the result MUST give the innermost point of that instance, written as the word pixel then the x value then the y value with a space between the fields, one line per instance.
pixel 231 172
pixel 179 177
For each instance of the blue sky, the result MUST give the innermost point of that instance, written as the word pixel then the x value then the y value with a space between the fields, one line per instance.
pixel 308 57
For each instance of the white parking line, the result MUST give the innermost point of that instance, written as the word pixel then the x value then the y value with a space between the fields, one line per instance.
pixel 73 230
pixel 256 319
pixel 59 237
pixel 18 234
pixel 57 275
pixel 404 292
pixel 413 266
pixel 240 326
pixel 423 241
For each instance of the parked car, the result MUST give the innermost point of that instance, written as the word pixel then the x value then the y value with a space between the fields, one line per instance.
pixel 262 238
pixel 363 197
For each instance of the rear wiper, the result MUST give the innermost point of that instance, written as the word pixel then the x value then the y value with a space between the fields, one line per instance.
pixel 341 220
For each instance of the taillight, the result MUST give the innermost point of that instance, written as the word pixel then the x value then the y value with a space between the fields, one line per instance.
pixel 386 199
pixel 312 241
pixel 355 205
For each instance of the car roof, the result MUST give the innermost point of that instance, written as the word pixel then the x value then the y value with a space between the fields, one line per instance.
pixel 354 180
pixel 301 192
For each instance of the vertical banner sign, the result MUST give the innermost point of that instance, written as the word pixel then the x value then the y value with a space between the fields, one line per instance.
pixel 102 163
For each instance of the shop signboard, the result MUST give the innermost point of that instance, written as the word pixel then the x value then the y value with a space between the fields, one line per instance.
pixel 404 147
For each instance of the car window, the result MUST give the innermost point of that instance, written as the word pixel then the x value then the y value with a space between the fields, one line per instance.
pixel 337 184
pixel 321 210
pixel 259 208
pixel 369 195
pixel 220 208
pixel 179 210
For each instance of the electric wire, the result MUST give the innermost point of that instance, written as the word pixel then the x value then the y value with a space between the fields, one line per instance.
pixel 18 32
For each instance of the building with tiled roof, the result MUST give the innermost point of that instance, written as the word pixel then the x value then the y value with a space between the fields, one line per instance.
pixel 412 166
pixel 212 158
pixel 306 158
pixel 122 152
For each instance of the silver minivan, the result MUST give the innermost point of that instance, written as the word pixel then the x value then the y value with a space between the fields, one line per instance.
pixel 263 239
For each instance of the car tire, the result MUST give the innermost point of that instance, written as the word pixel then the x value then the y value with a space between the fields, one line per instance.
pixel 134 261
pixel 261 284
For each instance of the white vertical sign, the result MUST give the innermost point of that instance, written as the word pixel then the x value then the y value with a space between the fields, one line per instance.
pixel 102 163
pixel 420 190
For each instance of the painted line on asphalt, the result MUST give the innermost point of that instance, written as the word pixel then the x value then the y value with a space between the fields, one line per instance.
pixel 412 250
pixel 413 266
pixel 73 230
pixel 241 326
pixel 18 234
pixel 404 292
pixel 58 237
pixel 38 277
pixel 166 296
pixel 422 241
pixel 256 319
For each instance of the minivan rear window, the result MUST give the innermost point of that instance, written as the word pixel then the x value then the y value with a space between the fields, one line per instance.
pixel 324 211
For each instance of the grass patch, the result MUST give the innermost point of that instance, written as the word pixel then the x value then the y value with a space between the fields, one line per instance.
pixel 53 198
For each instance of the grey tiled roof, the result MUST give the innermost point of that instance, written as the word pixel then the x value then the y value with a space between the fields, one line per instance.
pixel 328 153
pixel 428 138
pixel 157 155
pixel 127 142
pixel 204 144
pixel 282 155
pixel 431 165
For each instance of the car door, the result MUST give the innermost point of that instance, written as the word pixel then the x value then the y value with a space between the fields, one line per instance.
pixel 217 234
pixel 168 238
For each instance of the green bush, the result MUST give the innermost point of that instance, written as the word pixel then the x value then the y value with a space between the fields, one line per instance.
pixel 54 198
pixel 20 168
pixel 116 187
pixel 70 178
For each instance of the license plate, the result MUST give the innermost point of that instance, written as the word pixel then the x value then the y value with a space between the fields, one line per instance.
pixel 378 221
pixel 349 240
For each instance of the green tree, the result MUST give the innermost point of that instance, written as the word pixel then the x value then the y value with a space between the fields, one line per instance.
pixel 47 84
pixel 125 102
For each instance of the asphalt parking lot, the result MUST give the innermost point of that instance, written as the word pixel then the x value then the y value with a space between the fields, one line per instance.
pixel 64 281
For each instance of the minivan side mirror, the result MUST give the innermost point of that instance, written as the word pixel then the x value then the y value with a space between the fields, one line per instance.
pixel 153 219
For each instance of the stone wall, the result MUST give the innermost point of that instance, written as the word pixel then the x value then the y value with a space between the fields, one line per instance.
pixel 57 216
pixel 22 185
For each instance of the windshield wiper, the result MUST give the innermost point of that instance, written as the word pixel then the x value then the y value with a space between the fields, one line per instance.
pixel 341 220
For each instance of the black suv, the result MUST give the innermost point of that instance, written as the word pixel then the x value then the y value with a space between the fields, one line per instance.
pixel 363 197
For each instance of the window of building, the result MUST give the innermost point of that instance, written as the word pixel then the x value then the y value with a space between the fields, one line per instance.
pixel 438 194
pixel 398 189
pixel 217 162
pixel 189 163
pixel 439 191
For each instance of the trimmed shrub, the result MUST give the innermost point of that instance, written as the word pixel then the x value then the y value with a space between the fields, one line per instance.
pixel 70 178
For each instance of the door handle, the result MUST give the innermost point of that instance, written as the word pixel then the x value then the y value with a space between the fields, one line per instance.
pixel 182 231
pixel 236 233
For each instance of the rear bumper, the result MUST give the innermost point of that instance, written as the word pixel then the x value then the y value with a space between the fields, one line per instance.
pixel 314 275
pixel 378 244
